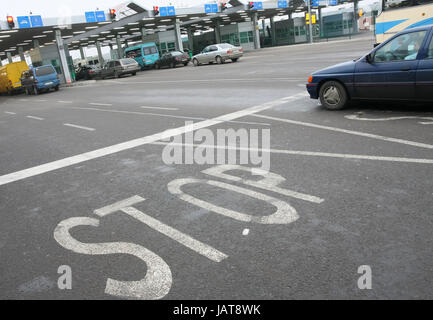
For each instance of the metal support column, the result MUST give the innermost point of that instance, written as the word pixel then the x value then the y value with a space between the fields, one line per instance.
pixel 310 25
pixel 218 31
pixel 256 32
pixel 143 34
pixel 100 57
pixel 355 16
pixel 83 56
pixel 190 39
pixel 178 35
pixel 9 55
pixel 36 43
pixel 62 54
pixel 119 47
pixel 21 53
pixel 273 32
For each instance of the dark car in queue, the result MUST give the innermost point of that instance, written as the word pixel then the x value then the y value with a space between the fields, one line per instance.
pixel 119 67
pixel 87 73
pixel 172 59
pixel 400 69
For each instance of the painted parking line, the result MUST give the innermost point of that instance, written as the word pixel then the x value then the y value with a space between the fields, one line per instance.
pixel 62 101
pixel 9 112
pixel 160 108
pixel 100 104
pixel 36 118
pixel 306 153
pixel 127 145
pixel 164 115
pixel 359 118
pixel 78 127
pixel 352 132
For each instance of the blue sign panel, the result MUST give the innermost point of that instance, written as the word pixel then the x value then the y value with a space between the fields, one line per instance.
pixel 24 22
pixel 36 21
pixel 258 5
pixel 282 4
pixel 90 16
pixel 100 16
pixel 332 2
pixel 315 3
pixel 211 8
pixel 171 11
pixel 163 11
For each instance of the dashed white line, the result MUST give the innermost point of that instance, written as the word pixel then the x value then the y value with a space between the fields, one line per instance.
pixel 78 127
pixel 245 232
pixel 62 101
pixel 9 112
pixel 98 153
pixel 356 133
pixel 100 104
pixel 36 118
pixel 160 108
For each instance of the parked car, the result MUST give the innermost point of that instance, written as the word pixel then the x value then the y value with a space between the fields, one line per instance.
pixel 172 59
pixel 40 79
pixel 401 68
pixel 218 53
pixel 86 72
pixel 120 67
pixel 10 77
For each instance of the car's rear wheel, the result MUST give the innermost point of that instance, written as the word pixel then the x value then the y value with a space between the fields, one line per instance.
pixel 172 65
pixel 333 95
pixel 195 62
pixel 235 59
pixel 219 60
pixel 116 75
pixel 56 88
pixel 185 64
pixel 157 66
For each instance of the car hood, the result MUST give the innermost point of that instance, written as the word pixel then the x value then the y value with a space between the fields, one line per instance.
pixel 345 67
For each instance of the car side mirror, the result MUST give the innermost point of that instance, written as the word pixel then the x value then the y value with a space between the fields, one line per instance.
pixel 369 58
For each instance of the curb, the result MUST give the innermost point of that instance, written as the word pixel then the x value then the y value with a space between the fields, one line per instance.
pixel 78 84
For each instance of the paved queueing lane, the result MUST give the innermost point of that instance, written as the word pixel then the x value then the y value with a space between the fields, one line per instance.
pixel 339 213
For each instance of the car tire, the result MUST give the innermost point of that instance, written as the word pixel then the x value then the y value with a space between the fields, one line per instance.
pixel 134 73
pixel 157 66
pixel 172 65
pixel 185 64
pixel 116 74
pixel 333 95
pixel 235 59
pixel 195 62
pixel 56 88
pixel 219 60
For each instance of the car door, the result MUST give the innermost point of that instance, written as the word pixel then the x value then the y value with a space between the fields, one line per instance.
pixel 424 74
pixel 390 71
pixel 202 57
pixel 213 50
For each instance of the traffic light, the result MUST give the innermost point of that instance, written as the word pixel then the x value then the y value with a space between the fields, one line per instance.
pixel 11 22
pixel 250 5
pixel 112 14
pixel 155 10
pixel 223 6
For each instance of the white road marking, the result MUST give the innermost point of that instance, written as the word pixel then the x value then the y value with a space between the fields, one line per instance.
pixel 253 79
pixel 8 112
pixel 426 122
pixel 163 115
pixel 40 100
pixel 36 118
pixel 284 214
pixel 189 242
pixel 62 101
pixel 95 154
pixel 157 282
pixel 78 127
pixel 356 133
pixel 357 117
pixel 100 104
pixel 23 100
pixel 159 108
pixel 245 232
pixel 311 153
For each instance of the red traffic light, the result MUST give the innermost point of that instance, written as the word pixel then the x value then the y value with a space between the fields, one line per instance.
pixel 155 10
pixel 113 14
pixel 10 21
pixel 223 6
pixel 250 5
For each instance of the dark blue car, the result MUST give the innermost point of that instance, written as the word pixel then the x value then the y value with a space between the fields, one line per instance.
pixel 398 69
pixel 40 79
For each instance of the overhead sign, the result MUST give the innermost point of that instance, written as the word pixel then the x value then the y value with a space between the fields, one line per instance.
pixel 171 11
pixel 211 8
pixel 100 16
pixel 29 22
pixel 282 4
pixel 167 11
pixel 258 5
pixel 316 3
pixel 90 16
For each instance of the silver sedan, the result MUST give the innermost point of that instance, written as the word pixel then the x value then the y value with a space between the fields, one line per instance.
pixel 218 53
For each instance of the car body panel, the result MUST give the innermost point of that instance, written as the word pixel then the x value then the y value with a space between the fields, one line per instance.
pixel 145 54
pixel 119 68
pixel 173 58
pixel 224 50
pixel 10 75
pixel 367 78
pixel 42 78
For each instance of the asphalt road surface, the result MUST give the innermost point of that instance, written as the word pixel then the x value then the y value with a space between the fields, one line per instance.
pixel 346 189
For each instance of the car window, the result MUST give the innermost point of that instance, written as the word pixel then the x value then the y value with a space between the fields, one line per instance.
pixel 213 48
pixel 176 53
pixel 225 46
pixel 403 47
pixel 128 61
pixel 44 71
pixel 430 50
pixel 206 49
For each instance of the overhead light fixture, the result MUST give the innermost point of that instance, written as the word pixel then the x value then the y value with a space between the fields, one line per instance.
pixel 150 24
pixel 8 31
pixel 7 36
pixel 89 28
pixel 133 23
pixel 78 32
pixel 48 31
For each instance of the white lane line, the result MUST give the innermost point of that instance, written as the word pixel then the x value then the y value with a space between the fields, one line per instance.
pixel 189 242
pixel 356 133
pixel 78 127
pixel 100 104
pixel 425 122
pixel 9 112
pixel 358 117
pixel 104 211
pixel 160 108
pixel 36 118
pixel 307 153
pixel 40 100
pixel 163 115
pixel 245 232
pixel 23 100
pixel 98 153
pixel 206 80
pixel 62 101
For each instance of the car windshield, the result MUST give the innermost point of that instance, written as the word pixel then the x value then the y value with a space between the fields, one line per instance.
pixel 176 53
pixel 44 71
pixel 128 61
